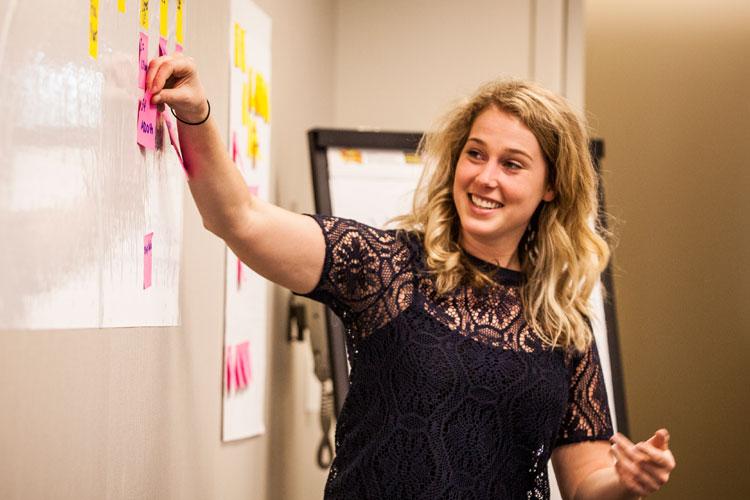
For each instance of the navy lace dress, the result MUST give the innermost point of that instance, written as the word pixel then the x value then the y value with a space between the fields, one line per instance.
pixel 453 396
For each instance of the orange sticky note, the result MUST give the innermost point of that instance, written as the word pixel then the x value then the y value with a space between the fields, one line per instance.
pixel 94 28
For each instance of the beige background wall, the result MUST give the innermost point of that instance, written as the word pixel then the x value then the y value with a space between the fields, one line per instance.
pixel 136 413
pixel 667 87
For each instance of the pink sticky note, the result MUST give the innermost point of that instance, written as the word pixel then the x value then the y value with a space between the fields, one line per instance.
pixel 173 139
pixel 147 259
pixel 178 48
pixel 242 362
pixel 228 367
pixel 162 46
pixel 237 376
pixel 239 274
pixel 142 59
pixel 147 122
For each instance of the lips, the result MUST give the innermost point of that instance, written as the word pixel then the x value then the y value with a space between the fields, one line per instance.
pixel 485 203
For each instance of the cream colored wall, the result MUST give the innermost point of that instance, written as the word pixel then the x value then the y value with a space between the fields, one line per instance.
pixel 399 65
pixel 136 413
pixel 667 87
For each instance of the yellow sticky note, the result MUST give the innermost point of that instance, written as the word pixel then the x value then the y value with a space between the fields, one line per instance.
pixel 244 103
pixel 94 29
pixel 250 92
pixel 164 18
pixel 242 50
pixel 143 13
pixel 121 6
pixel 253 149
pixel 178 33
pixel 236 45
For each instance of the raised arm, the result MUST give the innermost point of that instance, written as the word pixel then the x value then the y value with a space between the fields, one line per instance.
pixel 282 246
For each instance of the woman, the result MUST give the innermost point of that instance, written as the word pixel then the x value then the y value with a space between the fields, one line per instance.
pixel 473 361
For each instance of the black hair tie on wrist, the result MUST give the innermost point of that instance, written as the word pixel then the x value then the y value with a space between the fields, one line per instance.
pixel 193 123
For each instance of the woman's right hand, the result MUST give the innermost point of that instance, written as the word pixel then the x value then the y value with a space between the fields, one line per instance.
pixel 173 80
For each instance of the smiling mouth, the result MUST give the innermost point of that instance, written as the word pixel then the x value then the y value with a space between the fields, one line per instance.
pixel 480 202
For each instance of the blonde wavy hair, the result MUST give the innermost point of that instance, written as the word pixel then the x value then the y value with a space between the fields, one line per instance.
pixel 563 251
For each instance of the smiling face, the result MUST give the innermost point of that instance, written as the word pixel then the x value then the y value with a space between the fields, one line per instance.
pixel 500 179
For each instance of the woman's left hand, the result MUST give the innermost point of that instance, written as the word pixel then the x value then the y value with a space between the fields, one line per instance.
pixel 643 468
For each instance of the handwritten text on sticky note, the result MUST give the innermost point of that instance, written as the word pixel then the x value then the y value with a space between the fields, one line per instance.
pixel 178 30
pixel 143 13
pixel 142 59
pixel 147 122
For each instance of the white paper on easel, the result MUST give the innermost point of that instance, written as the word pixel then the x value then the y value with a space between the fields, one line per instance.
pixel 246 306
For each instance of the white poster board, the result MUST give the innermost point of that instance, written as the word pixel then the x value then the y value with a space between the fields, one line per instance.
pixel 246 313
pixel 90 222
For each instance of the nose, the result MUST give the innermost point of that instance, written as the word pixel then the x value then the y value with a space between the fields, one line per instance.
pixel 487 176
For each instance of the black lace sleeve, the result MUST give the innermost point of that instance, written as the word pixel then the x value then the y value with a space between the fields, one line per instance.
pixel 587 416
pixel 362 276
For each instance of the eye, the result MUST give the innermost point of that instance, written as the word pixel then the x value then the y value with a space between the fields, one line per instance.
pixel 513 165
pixel 474 153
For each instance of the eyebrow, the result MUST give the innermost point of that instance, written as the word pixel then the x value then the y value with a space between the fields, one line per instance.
pixel 510 150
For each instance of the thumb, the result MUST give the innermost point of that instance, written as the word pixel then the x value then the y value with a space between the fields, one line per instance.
pixel 660 439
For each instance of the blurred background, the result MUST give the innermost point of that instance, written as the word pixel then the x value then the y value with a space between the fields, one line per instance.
pixel 136 413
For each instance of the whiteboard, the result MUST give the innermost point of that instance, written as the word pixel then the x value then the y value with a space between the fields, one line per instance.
pixel 80 201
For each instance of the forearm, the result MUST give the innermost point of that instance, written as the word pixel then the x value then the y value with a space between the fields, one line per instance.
pixel 216 184
pixel 603 484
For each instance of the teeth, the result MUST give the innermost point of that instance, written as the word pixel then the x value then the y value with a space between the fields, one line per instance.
pixel 483 203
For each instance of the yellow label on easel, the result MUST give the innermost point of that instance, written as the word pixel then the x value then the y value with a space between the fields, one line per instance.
pixel 121 6
pixel 94 29
pixel 178 33
pixel 164 18
pixel 143 16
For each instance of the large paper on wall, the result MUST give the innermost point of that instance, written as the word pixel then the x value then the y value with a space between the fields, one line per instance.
pixel 246 313
pixel 78 196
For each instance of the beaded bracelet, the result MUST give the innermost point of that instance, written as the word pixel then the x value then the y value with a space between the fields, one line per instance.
pixel 193 123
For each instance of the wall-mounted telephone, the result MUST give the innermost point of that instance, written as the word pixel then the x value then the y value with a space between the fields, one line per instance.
pixel 307 317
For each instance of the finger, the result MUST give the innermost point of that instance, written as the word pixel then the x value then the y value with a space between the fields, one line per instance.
pixel 163 72
pixel 658 474
pixel 621 439
pixel 153 67
pixel 660 439
pixel 658 457
pixel 637 479
pixel 628 448
pixel 171 97
pixel 175 68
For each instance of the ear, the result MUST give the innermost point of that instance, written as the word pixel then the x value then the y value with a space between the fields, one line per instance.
pixel 549 194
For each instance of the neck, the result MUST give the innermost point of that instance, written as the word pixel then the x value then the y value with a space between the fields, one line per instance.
pixel 501 255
